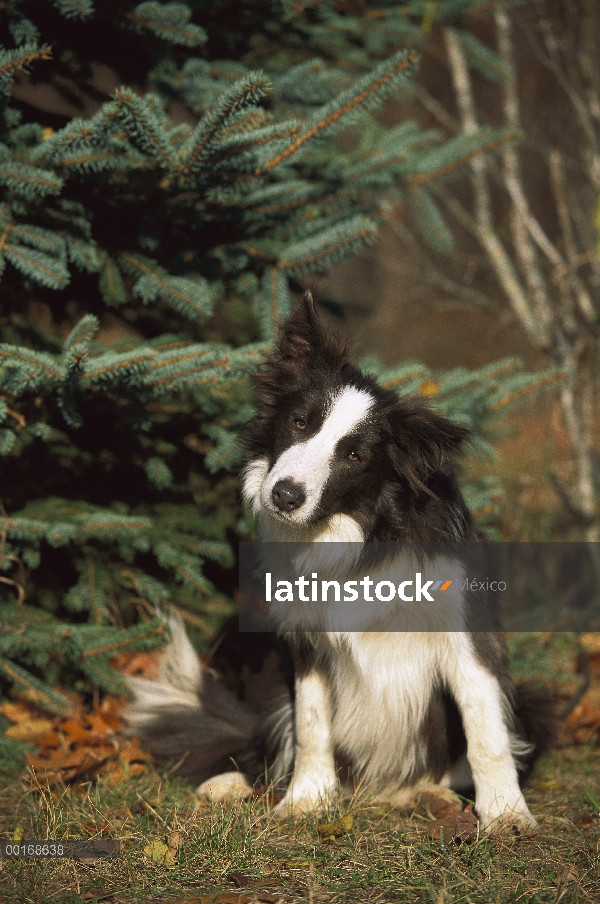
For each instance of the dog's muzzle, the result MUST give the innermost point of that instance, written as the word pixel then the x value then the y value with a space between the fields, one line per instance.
pixel 287 496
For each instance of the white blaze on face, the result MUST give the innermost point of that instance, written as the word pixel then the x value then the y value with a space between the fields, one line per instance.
pixel 309 463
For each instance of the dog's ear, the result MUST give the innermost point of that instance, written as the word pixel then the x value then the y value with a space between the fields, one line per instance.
pixel 422 441
pixel 304 340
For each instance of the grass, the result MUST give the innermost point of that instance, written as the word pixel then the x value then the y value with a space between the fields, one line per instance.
pixel 386 857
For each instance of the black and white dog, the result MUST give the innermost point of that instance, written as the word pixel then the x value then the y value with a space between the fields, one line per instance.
pixel 332 456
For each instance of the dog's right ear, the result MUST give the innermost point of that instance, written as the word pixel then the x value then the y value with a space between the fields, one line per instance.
pixel 303 340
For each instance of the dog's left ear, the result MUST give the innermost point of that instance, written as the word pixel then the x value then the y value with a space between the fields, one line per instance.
pixel 421 441
pixel 303 339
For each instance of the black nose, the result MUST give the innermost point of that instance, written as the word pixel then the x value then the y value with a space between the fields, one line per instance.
pixel 287 496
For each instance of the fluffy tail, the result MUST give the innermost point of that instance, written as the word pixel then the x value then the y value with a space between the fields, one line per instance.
pixel 188 715
pixel 537 722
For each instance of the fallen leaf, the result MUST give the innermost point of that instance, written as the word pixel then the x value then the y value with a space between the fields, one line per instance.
pixel 329 830
pixel 569 876
pixel 590 641
pixel 141 664
pixel 581 724
pixel 460 828
pixel 77 747
pixel 240 879
pixel 158 852
pixel 116 775
pixel 96 828
pixel 20 711
pixel 28 730
pixel 231 897
pixel 435 806
pixel 542 784
pixel 131 752
pixel 584 820
pixel 18 834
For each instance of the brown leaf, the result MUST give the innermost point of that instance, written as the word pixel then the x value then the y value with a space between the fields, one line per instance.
pixel 65 766
pixel 239 878
pixel 142 664
pixel 79 746
pixel 330 830
pixel 584 820
pixel 436 806
pixel 96 828
pixel 28 729
pixel 231 897
pixel 21 711
pixel 116 774
pixel 174 842
pixel 590 641
pixel 158 852
pixel 131 752
pixel 581 724
pixel 460 827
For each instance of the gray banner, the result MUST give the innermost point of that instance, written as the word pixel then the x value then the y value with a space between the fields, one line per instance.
pixel 289 587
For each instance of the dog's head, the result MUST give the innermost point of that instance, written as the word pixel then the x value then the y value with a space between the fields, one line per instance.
pixel 328 441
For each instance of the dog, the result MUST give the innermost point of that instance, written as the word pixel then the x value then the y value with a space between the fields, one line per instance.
pixel 333 457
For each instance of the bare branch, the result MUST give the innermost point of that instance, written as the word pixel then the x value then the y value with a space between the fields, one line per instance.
pixel 435 108
pixel 520 217
pixel 484 227
pixel 558 184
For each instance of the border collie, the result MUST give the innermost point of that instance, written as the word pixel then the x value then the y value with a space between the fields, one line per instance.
pixel 333 456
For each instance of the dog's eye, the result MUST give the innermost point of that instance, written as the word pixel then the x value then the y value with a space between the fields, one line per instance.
pixel 300 423
pixel 353 456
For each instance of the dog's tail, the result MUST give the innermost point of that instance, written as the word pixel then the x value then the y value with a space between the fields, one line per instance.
pixel 537 723
pixel 189 717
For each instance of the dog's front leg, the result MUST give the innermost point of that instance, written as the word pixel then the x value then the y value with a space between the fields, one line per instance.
pixel 499 800
pixel 313 782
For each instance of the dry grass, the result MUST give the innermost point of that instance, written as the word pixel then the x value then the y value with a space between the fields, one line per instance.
pixel 386 857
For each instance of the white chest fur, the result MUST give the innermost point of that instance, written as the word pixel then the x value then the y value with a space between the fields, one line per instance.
pixel 382 684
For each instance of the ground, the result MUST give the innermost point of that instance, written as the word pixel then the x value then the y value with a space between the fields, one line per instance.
pixel 240 854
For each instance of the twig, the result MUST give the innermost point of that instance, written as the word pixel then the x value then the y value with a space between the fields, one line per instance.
pixel 522 239
pixel 435 108
pixel 558 185
pixel 483 226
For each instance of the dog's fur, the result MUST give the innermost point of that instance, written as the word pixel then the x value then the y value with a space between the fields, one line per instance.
pixel 332 456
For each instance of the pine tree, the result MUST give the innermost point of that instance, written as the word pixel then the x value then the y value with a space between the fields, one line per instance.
pixel 119 491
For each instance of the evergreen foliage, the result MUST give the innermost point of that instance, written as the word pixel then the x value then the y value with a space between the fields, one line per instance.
pixel 187 231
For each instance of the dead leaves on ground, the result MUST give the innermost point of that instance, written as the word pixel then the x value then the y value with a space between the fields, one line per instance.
pixel 83 745
pixel 77 747
pixel 161 854
pixel 328 831
pixel 229 897
pixel 447 821
pixel 583 723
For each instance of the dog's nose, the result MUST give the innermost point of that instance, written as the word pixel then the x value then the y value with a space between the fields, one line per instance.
pixel 287 496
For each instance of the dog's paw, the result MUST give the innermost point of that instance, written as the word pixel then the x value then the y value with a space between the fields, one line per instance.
pixel 227 786
pixel 306 796
pixel 501 818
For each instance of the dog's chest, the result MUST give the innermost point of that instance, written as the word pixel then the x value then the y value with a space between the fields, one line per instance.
pixel 383 685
